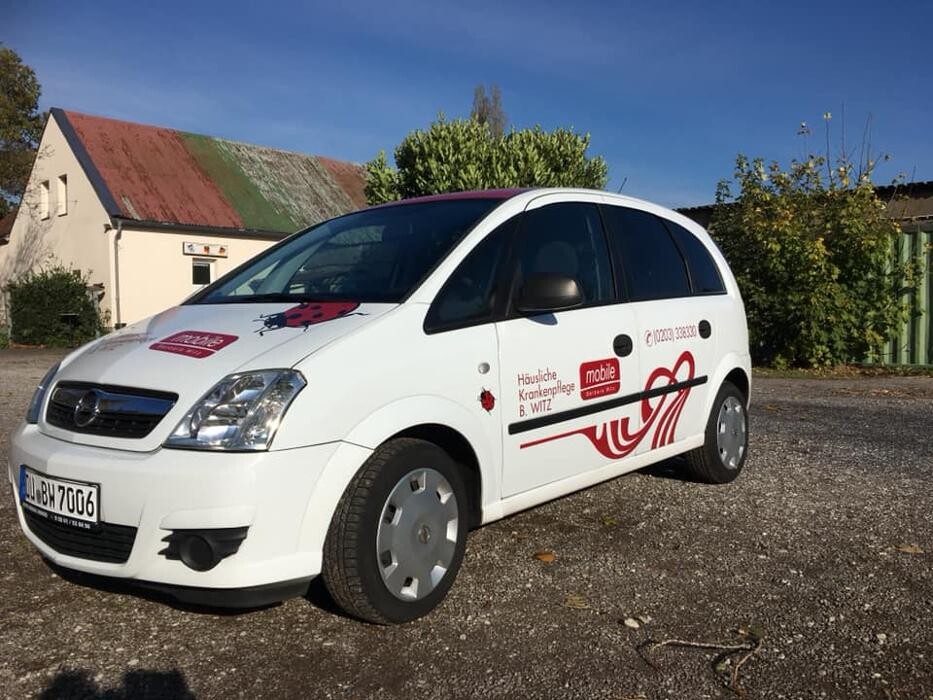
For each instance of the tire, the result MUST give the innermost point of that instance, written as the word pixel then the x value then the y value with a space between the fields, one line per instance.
pixel 722 456
pixel 403 501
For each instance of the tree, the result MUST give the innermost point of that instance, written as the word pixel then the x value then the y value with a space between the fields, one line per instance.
pixel 487 109
pixel 21 126
pixel 458 155
pixel 811 249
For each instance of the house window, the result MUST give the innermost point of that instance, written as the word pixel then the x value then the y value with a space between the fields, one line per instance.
pixel 61 196
pixel 44 199
pixel 201 272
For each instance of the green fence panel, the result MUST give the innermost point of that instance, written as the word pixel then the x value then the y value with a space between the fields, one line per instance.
pixel 913 342
pixel 903 356
pixel 926 294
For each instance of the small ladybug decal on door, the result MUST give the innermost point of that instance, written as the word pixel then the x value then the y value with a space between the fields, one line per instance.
pixel 308 313
pixel 487 400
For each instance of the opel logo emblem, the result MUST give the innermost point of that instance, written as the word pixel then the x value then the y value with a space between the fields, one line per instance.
pixel 87 409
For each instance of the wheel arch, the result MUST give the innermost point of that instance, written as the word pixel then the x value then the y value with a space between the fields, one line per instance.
pixel 473 440
pixel 740 379
pixel 462 452
pixel 735 368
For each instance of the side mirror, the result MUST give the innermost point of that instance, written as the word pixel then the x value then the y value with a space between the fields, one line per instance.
pixel 546 293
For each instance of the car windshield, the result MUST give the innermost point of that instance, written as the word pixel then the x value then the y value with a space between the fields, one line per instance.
pixel 375 255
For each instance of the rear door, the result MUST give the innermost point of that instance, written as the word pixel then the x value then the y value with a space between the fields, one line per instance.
pixel 562 374
pixel 676 328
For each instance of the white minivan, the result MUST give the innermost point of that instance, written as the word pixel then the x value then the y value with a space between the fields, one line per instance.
pixel 353 400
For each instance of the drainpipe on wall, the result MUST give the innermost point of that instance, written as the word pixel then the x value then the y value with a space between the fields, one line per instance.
pixel 118 232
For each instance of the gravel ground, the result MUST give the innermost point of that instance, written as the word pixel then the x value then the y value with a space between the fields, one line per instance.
pixel 810 549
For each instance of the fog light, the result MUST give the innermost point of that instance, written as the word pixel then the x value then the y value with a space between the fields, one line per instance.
pixel 197 553
pixel 202 550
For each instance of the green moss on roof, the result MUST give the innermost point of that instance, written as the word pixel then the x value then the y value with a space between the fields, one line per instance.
pixel 241 191
pixel 297 185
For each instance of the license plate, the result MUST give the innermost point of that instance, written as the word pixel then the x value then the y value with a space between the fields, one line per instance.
pixel 73 503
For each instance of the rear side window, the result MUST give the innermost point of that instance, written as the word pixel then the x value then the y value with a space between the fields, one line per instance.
pixel 470 295
pixel 703 271
pixel 652 263
pixel 566 239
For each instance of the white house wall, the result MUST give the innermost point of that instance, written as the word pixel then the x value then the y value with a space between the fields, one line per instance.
pixel 75 239
pixel 155 273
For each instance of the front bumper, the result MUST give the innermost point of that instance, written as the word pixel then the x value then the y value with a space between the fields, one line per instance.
pixel 245 597
pixel 167 491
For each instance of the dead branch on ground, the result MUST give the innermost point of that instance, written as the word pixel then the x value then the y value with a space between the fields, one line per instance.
pixel 748 649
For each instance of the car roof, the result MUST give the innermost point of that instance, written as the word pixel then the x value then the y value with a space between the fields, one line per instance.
pixel 500 194
pixel 531 193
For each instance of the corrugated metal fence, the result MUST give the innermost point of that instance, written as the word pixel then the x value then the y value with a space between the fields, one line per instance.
pixel 914 342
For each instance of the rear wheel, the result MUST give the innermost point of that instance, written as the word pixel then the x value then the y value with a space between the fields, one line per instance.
pixel 722 456
pixel 397 538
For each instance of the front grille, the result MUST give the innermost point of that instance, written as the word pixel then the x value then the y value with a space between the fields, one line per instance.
pixel 107 543
pixel 112 411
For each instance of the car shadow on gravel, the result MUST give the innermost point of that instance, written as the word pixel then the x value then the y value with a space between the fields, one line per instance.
pixel 674 468
pixel 138 685
pixel 320 598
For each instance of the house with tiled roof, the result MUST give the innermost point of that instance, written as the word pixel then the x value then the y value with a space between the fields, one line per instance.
pixel 152 214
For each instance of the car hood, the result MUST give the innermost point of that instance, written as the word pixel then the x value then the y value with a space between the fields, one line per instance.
pixel 187 349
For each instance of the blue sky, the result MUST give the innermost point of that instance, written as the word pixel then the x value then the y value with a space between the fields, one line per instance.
pixel 669 91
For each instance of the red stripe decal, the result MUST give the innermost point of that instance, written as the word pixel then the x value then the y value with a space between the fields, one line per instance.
pixel 615 440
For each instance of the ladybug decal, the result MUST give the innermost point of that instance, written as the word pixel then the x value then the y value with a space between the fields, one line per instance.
pixel 307 313
pixel 487 400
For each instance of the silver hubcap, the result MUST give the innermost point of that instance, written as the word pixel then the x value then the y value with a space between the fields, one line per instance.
pixel 417 534
pixel 730 432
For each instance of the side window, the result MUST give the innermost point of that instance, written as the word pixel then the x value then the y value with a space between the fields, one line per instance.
pixel 470 294
pixel 703 271
pixel 566 239
pixel 652 263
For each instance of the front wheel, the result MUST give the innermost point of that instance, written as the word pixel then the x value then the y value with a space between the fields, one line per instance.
pixel 398 534
pixel 720 459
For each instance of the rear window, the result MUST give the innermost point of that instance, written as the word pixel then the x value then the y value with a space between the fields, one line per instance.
pixel 703 270
pixel 375 255
pixel 653 265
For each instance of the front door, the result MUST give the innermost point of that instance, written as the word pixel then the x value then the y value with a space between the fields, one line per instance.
pixel 563 375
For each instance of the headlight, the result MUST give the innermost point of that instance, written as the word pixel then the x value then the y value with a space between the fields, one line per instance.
pixel 38 396
pixel 241 412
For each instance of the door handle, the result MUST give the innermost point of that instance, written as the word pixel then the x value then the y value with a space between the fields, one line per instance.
pixel 705 329
pixel 622 345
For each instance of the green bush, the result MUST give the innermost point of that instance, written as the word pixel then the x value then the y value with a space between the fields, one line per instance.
pixel 811 248
pixel 52 308
pixel 464 154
